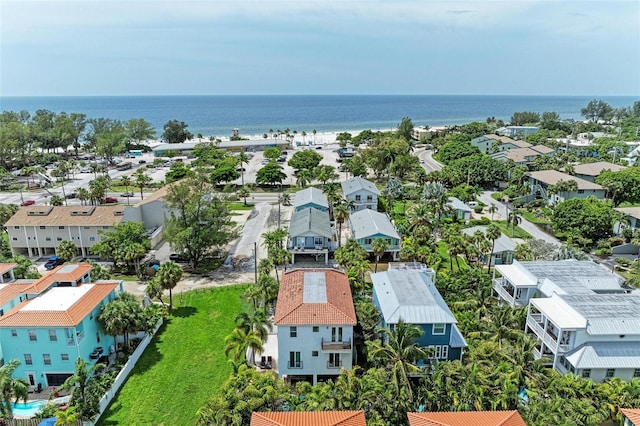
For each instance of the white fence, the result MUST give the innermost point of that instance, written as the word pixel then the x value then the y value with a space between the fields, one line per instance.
pixel 124 373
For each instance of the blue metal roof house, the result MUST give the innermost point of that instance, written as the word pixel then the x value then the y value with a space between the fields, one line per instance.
pixel 411 296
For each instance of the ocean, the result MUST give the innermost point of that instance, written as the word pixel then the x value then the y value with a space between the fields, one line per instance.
pixel 255 115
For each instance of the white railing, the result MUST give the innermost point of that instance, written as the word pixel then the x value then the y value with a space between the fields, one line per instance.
pixel 503 293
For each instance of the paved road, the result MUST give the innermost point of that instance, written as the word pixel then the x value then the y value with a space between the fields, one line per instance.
pixel 427 161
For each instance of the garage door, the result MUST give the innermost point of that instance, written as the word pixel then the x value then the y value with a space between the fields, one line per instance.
pixel 57 379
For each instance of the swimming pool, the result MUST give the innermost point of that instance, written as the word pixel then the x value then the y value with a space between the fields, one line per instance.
pixel 29 409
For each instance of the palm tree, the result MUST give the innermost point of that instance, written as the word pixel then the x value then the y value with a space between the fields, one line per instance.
pixel 66 417
pixel 94 168
pixel 514 220
pixel 242 160
pixel 492 209
pixel 66 250
pixel 303 178
pixel 341 214
pixel 169 273
pixel 239 343
pixel 142 181
pixel 83 195
pixel 56 200
pixel 379 247
pixel 257 323
pixel 314 135
pixel 12 388
pixel 493 233
pixel 244 194
pixel 286 199
pixel 126 181
pixel 398 350
pixel 79 382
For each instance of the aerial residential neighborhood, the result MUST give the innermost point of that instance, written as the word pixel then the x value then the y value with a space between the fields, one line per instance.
pixel 476 274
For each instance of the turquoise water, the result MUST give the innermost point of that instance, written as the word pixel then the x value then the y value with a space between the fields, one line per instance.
pixel 29 409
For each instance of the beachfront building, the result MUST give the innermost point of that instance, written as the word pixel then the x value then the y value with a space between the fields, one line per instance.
pixel 590 171
pixel 409 295
pixel 310 197
pixel 368 225
pixel 593 335
pixel 457 418
pixel 310 234
pixel 517 283
pixel 503 247
pixel 518 132
pixel 55 322
pixel 363 193
pixel 315 319
pixel 541 181
pixel 187 148
pixel 315 418
pixel 461 211
pixel 36 231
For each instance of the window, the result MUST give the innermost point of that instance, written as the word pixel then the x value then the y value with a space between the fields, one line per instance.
pixel 317 241
pixel 60 227
pixel 368 241
pixel 14 239
pixel 438 328
pixel 358 198
pixel 86 227
pixel 64 357
pixel 32 336
pixel 636 372
pixel 316 329
pixel 334 361
pixel 293 331
pixel 14 333
pixel 445 352
pixel 586 372
pixel 369 198
pixel 47 359
pixel 47 238
pixel 438 352
pixel 294 360
pixel 16 227
pixel 105 227
pixel 314 353
pixel 43 227
pixel 610 373
pixel 53 337
pixel 58 238
pixel 580 191
pixel 92 238
pixel 27 359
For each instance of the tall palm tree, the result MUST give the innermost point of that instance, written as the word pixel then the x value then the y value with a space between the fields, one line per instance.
pixel 242 160
pixel 83 195
pixel 126 181
pixel 492 209
pixel 286 199
pixel 13 389
pixel 142 181
pixel 341 214
pixel 169 273
pixel 257 323
pixel 379 247
pixel 398 351
pixel 514 220
pixel 239 343
pixel 303 177
pixel 493 233
pixel 78 383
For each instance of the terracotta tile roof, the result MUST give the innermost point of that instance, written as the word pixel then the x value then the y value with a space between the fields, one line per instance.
pixel 10 291
pixel 338 308
pixel 63 273
pixel 20 317
pixel 62 216
pixel 633 414
pixel 467 418
pixel 308 418
pixel 6 267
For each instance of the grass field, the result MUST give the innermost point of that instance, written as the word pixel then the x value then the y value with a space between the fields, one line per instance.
pixel 515 233
pixel 184 364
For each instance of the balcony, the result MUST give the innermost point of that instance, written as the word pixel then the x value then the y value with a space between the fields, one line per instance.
pixel 505 293
pixel 309 250
pixel 328 345
pixel 334 365
pixel 294 365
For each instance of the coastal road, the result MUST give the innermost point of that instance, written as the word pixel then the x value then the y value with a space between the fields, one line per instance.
pixel 427 161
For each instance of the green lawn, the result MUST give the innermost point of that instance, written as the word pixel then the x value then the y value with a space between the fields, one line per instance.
pixel 517 232
pixel 531 217
pixel 184 364
pixel 444 252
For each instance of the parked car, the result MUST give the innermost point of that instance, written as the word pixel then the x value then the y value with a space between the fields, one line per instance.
pixel 71 195
pixel 281 160
pixel 110 200
pixel 126 194
pixel 28 203
pixel 318 147
pixel 177 257
pixel 142 161
pixel 241 169
pixel 53 262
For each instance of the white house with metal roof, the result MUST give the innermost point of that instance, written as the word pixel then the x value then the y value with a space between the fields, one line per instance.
pixel 363 193
pixel 592 335
pixel 409 295
pixel 310 234
pixel 503 247
pixel 310 197
pixel 367 225
pixel 515 284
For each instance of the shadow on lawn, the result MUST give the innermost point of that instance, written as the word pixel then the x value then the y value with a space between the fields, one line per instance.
pixel 184 311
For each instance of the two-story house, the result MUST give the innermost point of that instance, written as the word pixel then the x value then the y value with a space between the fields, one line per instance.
pixel 363 193
pixel 310 234
pixel 590 171
pixel 314 319
pixel 541 181
pixel 310 197
pixel 49 332
pixel 367 225
pixel 410 296
pixel 592 335
pixel 517 283
pixel 36 231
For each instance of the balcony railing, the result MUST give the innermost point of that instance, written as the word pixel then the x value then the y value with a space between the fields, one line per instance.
pixel 294 365
pixel 328 345
pixel 332 365
pixel 502 292
pixel 314 249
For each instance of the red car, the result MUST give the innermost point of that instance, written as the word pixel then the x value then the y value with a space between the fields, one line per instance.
pixel 28 203
pixel 110 200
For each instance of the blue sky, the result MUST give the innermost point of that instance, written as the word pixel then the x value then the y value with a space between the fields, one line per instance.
pixel 150 47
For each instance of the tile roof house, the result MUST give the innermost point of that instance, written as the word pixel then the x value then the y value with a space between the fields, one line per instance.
pixel 309 418
pixel 410 296
pixel 632 416
pixel 310 233
pixel 314 319
pixel 310 197
pixel 467 418
pixel 363 193
pixel 503 247
pixel 6 272
pixel 540 182
pixel 54 322
pixel 590 171
pixel 592 335
pixel 367 225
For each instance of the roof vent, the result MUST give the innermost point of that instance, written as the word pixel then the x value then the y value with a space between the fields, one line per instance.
pixel 40 211
pixel 118 213
pixel 83 211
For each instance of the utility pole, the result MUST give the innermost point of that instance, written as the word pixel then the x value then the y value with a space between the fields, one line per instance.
pixel 255 262
pixel 279 202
